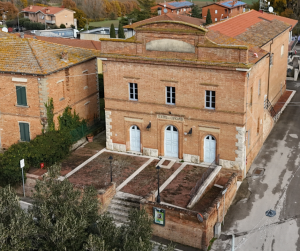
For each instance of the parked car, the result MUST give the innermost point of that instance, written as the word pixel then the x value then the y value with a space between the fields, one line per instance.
pixel 33 31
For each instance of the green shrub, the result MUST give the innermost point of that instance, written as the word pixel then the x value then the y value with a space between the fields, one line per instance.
pixel 62 26
pixel 69 121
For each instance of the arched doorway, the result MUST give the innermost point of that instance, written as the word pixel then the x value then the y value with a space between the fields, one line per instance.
pixel 135 138
pixel 171 141
pixel 209 149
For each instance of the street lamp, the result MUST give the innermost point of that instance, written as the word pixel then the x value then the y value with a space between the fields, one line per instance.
pixel 110 160
pixel 19 22
pixel 158 195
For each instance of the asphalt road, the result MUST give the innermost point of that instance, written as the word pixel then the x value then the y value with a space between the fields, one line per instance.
pixel 278 189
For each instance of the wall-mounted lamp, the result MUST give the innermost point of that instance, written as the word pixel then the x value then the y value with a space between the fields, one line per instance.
pixel 148 126
pixel 190 132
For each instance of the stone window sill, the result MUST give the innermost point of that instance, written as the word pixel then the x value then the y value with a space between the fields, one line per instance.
pixel 23 106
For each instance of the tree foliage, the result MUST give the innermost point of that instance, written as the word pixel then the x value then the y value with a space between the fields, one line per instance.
pixel 17 228
pixel 121 31
pixel 208 17
pixel 93 8
pixel 196 11
pixel 69 4
pixel 11 8
pixel 112 31
pixel 64 218
pixel 80 16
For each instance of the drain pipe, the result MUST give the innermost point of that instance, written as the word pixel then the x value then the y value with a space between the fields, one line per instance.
pixel 245 168
pixel 270 55
pixel 232 243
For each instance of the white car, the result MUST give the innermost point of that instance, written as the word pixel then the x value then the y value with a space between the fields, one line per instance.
pixel 34 31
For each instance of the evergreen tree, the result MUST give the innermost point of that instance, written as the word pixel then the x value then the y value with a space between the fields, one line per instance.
pixel 208 18
pixel 121 31
pixel 196 11
pixel 112 31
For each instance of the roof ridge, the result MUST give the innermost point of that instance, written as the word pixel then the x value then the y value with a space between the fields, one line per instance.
pixel 36 58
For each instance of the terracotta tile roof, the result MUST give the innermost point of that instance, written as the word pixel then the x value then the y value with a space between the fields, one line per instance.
pixel 5 34
pixel 221 39
pixel 32 56
pixel 239 24
pixel 175 5
pixel 168 17
pixel 86 44
pixel 227 4
pixel 52 10
pixel 262 32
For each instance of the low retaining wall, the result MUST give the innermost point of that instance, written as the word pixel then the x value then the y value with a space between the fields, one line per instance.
pixel 182 225
pixel 105 196
pixel 29 185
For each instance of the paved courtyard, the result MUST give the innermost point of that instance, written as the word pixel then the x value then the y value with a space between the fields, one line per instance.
pixel 277 189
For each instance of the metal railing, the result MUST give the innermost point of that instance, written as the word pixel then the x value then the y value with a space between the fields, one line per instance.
pixel 204 176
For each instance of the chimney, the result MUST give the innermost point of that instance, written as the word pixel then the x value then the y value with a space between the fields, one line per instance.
pixel 64 56
pixel 47 11
pixel 30 7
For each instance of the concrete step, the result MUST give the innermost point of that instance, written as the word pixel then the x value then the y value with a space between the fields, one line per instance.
pixel 124 203
pixel 118 212
pixel 127 197
pixel 119 218
pixel 121 208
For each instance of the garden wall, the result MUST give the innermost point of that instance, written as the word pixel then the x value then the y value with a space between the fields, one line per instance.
pixel 105 196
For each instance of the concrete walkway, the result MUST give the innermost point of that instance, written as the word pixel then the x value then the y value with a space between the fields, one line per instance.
pixel 277 189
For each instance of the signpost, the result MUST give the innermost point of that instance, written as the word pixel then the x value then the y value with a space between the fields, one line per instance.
pixel 22 164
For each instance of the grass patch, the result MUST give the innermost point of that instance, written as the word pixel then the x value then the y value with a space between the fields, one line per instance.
pixel 105 23
pixel 210 243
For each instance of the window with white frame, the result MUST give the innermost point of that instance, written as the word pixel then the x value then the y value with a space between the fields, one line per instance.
pixel 170 95
pixel 259 87
pixel 216 19
pixel 282 49
pixel 210 99
pixel 133 91
pixel 216 11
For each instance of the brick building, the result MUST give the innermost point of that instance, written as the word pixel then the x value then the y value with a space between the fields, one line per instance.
pixel 223 9
pixel 49 15
pixel 179 90
pixel 179 8
pixel 31 72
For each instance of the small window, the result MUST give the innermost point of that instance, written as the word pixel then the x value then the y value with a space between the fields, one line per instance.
pixel 133 91
pixel 258 125
pixel 210 99
pixel 225 11
pixel 21 95
pixel 259 87
pixel 216 19
pixel 282 50
pixel 251 94
pixel 216 11
pixel 170 95
pixel 24 131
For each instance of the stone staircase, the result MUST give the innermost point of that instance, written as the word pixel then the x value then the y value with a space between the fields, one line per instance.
pixel 120 206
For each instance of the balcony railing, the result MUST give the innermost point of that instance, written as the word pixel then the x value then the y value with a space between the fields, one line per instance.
pixel 50 21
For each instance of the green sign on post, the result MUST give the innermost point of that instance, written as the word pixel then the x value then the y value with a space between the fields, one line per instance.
pixel 159 216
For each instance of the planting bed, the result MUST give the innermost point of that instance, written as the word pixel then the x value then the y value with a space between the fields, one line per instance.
pixel 37 171
pixel 146 181
pixel 97 172
pixel 178 191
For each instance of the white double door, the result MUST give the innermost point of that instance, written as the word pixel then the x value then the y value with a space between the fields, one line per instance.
pixel 135 138
pixel 209 149
pixel 171 141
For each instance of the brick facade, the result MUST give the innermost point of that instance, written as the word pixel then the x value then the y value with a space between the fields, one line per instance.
pixel 79 92
pixel 238 80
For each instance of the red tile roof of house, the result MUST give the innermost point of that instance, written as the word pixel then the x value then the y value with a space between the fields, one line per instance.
pixel 86 44
pixel 239 24
pixel 52 10
pixel 168 17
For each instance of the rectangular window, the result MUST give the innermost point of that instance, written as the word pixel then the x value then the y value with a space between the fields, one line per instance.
pixel 210 99
pixel 249 139
pixel 216 11
pixel 216 19
pixel 24 131
pixel 225 11
pixel 259 87
pixel 133 91
pixel 21 95
pixel 282 49
pixel 170 95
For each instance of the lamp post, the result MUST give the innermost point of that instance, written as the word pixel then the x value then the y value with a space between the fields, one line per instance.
pixel 110 160
pixel 158 195
pixel 19 22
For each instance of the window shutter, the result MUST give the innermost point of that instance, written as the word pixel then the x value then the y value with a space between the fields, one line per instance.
pixel 24 131
pixel 21 95
pixel 19 100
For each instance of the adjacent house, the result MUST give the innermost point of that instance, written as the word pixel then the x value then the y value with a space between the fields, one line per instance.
pixel 49 15
pixel 223 9
pixel 31 72
pixel 179 8
pixel 183 91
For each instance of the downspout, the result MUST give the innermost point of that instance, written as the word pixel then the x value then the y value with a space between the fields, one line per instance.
pixel 270 55
pixel 245 169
